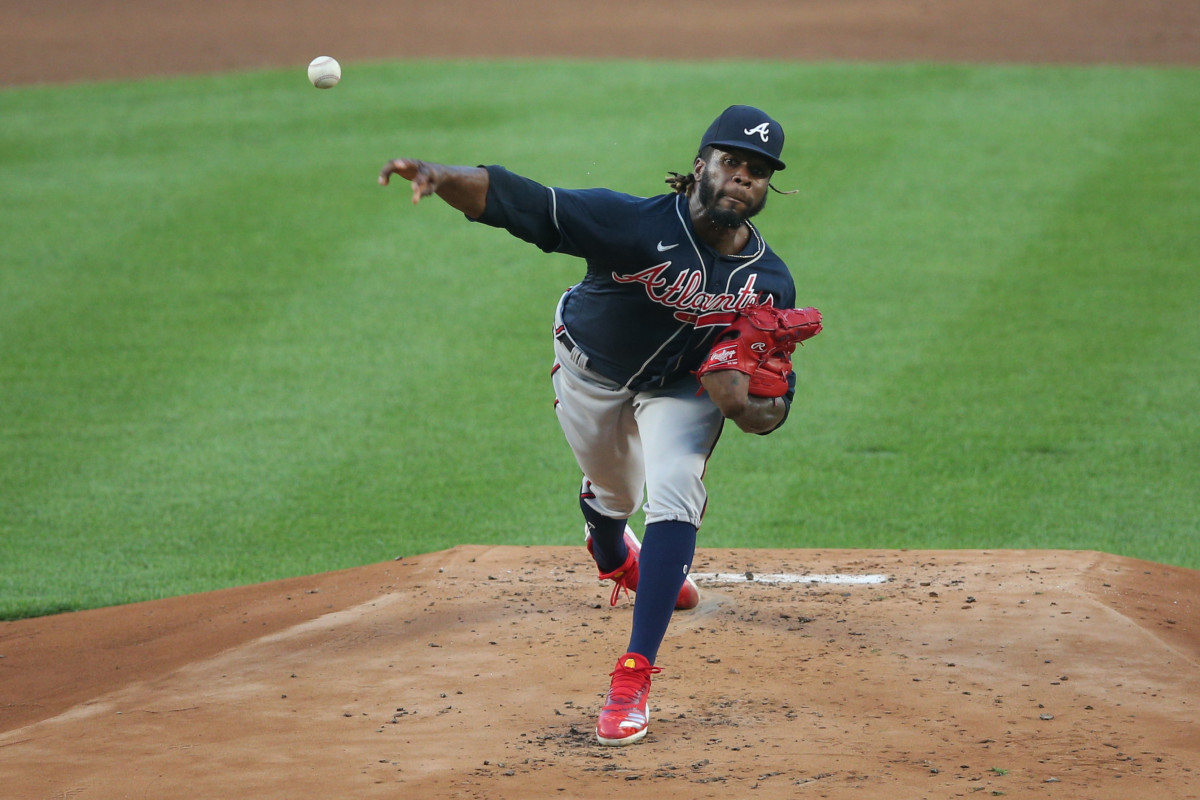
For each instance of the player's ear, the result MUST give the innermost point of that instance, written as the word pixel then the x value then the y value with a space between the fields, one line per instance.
pixel 698 166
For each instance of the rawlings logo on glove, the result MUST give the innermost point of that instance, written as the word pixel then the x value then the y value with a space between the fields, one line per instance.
pixel 722 357
pixel 760 343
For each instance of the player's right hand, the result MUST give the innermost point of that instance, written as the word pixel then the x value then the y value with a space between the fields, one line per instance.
pixel 420 174
pixel 464 188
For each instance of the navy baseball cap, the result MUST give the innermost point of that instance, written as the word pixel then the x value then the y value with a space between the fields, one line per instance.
pixel 747 128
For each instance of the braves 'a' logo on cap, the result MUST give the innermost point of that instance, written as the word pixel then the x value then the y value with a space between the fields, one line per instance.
pixel 763 130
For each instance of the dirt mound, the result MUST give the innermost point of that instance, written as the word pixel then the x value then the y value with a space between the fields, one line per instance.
pixel 477 672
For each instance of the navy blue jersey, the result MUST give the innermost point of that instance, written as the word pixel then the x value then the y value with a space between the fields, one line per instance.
pixel 654 295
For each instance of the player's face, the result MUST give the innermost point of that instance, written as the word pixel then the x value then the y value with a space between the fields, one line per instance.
pixel 732 186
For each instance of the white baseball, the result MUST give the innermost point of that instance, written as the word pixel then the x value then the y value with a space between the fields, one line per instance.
pixel 324 72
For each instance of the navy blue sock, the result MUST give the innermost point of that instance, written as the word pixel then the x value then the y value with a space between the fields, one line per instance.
pixel 667 552
pixel 608 538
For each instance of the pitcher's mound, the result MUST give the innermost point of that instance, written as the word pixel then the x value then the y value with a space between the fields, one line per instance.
pixel 477 672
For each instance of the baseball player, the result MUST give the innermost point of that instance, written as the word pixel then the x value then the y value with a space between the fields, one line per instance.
pixel 684 318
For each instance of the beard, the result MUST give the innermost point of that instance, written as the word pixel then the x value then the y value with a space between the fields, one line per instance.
pixel 723 217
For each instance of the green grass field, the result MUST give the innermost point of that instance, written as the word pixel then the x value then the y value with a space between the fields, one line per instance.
pixel 228 356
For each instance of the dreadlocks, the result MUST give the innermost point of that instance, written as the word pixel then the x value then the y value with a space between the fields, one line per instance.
pixel 680 184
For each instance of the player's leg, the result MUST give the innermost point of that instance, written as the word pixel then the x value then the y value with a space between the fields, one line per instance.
pixel 604 534
pixel 679 432
pixel 663 566
pixel 598 423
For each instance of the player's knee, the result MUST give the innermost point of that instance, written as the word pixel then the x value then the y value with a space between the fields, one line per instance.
pixel 613 505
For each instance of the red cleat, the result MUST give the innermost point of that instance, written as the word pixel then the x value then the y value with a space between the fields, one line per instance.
pixel 625 717
pixel 626 575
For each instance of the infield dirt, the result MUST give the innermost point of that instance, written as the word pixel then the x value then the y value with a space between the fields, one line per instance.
pixel 477 672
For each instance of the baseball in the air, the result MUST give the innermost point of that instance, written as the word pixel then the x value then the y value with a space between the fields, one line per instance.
pixel 324 72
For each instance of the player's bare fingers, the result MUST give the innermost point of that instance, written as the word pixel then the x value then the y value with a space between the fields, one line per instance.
pixel 385 174
pixel 424 181
pixel 397 166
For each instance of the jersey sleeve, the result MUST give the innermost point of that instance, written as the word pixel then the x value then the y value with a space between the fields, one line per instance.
pixel 577 222
pixel 521 206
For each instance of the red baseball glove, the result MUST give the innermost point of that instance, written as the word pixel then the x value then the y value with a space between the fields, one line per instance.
pixel 760 343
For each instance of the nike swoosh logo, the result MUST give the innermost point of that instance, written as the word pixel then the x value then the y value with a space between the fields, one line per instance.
pixel 662 248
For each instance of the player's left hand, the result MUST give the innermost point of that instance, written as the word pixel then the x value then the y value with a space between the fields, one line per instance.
pixel 770 379
pixel 759 343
